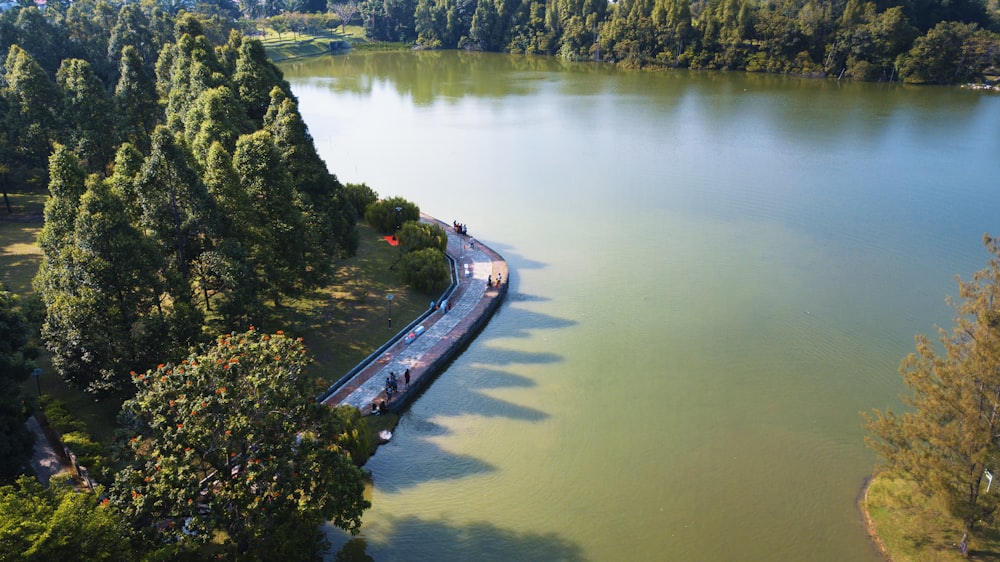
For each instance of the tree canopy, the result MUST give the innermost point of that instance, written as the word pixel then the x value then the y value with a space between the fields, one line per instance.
pixel 858 39
pixel 231 443
pixel 16 362
pixel 57 523
pixel 949 439
pixel 200 198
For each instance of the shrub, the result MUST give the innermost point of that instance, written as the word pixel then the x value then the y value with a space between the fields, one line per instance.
pixel 416 236
pixel 382 214
pixel 425 270
pixel 59 417
pixel 88 453
pixel 359 195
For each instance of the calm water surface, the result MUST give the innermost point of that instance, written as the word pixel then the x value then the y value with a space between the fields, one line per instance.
pixel 713 275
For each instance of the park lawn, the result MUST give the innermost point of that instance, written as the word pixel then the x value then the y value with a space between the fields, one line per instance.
pixel 349 319
pixel 20 256
pixel 916 528
pixel 290 45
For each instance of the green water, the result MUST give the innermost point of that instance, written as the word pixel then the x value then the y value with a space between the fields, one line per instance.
pixel 714 274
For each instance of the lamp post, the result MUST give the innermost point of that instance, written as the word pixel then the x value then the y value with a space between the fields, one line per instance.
pixel 37 373
pixel 399 222
pixel 388 299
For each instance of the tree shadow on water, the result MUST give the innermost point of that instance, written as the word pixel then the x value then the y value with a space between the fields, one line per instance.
pixel 412 538
pixel 409 460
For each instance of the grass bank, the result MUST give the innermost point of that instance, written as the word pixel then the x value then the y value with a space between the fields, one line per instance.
pixel 287 45
pixel 911 527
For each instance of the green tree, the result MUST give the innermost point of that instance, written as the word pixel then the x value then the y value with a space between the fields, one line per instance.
pixel 225 268
pixel 101 293
pixel 868 50
pixel 177 211
pixel 131 29
pixel 16 362
pixel 382 215
pixel 86 106
pixel 136 108
pixel 415 236
pixel 277 250
pixel 425 270
pixel 360 195
pixel 950 53
pixel 230 445
pixel 187 69
pixel 254 78
pixel 330 230
pixel 33 104
pixel 216 115
pixel 38 36
pixel 58 523
pixel 66 186
pixel 949 438
pixel 87 24
pixel 124 174
pixel 486 29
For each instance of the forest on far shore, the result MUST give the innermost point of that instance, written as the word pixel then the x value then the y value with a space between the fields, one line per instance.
pixel 915 41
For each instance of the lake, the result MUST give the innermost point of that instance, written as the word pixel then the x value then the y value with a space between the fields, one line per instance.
pixel 712 275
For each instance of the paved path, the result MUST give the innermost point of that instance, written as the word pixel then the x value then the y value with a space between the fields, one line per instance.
pixel 44 460
pixel 446 332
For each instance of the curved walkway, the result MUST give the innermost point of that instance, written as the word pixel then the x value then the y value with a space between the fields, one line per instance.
pixel 45 462
pixel 445 332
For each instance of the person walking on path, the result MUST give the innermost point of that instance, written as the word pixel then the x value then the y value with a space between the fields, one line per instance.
pixel 406 377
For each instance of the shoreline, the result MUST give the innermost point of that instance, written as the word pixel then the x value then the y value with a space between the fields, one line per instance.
pixel 869 524
pixel 426 347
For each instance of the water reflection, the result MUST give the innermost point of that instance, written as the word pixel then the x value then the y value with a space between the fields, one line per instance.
pixel 713 273
pixel 481 541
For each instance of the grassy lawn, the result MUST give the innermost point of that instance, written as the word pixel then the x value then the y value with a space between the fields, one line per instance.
pixel 289 45
pixel 341 323
pixel 346 321
pixel 915 528
pixel 19 255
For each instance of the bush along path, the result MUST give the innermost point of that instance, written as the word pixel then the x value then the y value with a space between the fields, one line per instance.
pixel 424 348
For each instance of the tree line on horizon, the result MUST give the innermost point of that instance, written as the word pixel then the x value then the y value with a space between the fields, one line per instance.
pixel 917 41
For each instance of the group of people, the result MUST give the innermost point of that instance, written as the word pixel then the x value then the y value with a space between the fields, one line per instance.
pixel 460 228
pixel 489 280
pixel 391 387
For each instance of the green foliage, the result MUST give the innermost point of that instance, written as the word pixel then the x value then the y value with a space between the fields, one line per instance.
pixel 33 104
pixel 103 312
pixel 329 221
pixel 383 216
pixel 254 78
pixel 276 251
pixel 948 439
pixel 136 110
pixel 58 523
pixel 357 439
pixel 59 417
pixel 232 442
pixel 425 270
pixel 416 236
pixel 16 362
pixel 950 53
pixel 857 39
pixel 359 195
pixel 86 105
